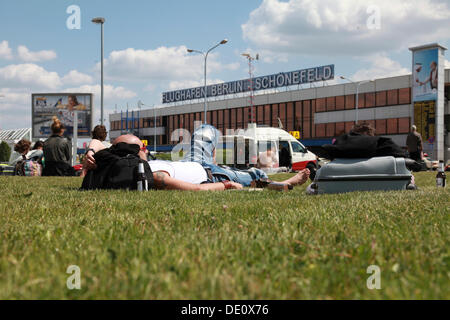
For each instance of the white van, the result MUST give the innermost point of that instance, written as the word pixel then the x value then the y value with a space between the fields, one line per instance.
pixel 291 153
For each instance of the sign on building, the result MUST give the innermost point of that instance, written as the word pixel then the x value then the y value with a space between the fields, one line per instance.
pixel 282 79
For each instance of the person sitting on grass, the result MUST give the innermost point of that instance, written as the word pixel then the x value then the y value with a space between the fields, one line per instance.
pixel 197 171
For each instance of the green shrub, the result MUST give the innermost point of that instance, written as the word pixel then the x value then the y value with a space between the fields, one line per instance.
pixel 5 152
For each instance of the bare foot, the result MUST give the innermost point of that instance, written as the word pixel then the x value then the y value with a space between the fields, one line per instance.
pixel 299 179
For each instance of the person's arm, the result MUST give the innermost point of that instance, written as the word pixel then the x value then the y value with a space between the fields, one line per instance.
pixel 428 79
pixel 89 162
pixel 164 181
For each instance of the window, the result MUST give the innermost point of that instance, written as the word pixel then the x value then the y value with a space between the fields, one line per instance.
pixel 297 147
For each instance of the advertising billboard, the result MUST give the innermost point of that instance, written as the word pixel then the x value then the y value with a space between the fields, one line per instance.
pixel 62 105
pixel 425 75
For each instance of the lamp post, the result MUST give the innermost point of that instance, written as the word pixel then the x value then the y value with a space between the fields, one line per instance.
pixel 205 56
pixel 101 21
pixel 154 123
pixel 250 74
pixel 357 93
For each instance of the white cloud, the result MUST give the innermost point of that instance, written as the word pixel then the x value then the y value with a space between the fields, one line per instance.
pixel 447 64
pixel 5 50
pixel 340 27
pixel 150 88
pixel 381 66
pixel 30 56
pixel 160 64
pixel 29 75
pixel 110 92
pixel 163 63
pixel 75 77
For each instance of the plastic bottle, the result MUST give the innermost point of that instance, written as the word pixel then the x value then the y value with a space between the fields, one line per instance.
pixel 142 182
pixel 440 177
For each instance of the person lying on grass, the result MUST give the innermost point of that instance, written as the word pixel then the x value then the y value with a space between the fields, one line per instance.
pixel 192 172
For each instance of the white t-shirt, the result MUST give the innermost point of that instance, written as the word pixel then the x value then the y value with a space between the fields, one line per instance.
pixel 191 172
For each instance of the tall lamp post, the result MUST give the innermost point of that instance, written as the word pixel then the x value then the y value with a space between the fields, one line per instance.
pixel 205 55
pixel 357 93
pixel 250 74
pixel 101 21
pixel 154 123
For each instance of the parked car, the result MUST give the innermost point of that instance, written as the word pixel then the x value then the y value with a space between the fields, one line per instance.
pixel 430 164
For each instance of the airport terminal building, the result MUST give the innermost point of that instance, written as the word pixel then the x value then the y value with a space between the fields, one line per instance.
pixel 319 112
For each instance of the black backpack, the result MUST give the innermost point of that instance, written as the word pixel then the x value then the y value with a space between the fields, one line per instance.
pixel 117 168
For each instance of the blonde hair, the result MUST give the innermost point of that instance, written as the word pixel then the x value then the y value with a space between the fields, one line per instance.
pixel 57 126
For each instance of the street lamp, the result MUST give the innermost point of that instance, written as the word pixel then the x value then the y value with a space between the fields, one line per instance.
pixel 357 93
pixel 205 55
pixel 140 104
pixel 101 21
pixel 250 74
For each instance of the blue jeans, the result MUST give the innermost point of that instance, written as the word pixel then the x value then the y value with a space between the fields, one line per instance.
pixel 203 143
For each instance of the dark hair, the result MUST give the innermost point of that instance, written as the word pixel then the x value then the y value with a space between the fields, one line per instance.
pixel 38 144
pixel 74 99
pixel 363 128
pixel 57 126
pixel 99 133
pixel 22 146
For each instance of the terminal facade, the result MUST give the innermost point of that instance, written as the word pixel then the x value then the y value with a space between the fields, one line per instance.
pixel 319 113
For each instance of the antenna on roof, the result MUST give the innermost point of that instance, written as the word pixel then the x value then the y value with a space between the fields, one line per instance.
pixel 280 124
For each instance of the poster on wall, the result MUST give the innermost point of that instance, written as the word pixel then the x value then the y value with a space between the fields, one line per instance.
pixel 62 105
pixel 425 75
pixel 425 119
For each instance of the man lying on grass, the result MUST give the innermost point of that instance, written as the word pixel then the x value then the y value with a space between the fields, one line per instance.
pixel 197 171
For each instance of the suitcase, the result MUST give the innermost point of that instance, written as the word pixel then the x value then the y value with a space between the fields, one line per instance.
pixel 6 169
pixel 347 175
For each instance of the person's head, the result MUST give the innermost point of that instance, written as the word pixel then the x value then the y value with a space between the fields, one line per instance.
pixel 73 102
pixel 418 67
pixel 132 139
pixel 433 65
pixel 363 128
pixel 99 133
pixel 57 127
pixel 23 146
pixel 413 128
pixel 39 145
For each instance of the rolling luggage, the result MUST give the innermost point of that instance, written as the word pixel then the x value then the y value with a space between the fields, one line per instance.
pixel 6 169
pixel 347 175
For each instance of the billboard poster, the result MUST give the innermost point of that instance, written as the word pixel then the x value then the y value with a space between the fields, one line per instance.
pixel 62 105
pixel 425 119
pixel 425 75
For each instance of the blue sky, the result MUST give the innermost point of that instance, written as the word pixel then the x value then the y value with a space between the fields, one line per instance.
pixel 146 41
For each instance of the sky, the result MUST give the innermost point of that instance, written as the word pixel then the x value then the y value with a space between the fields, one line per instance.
pixel 146 42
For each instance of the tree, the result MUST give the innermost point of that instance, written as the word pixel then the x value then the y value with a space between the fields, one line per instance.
pixel 5 152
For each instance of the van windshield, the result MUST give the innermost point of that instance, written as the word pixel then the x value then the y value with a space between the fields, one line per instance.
pixel 297 147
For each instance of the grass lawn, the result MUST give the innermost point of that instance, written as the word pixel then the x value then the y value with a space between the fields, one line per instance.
pixel 221 245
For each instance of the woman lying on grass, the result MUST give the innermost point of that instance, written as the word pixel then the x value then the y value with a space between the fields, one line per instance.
pixel 192 172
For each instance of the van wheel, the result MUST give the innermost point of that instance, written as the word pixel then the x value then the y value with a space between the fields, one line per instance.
pixel 312 170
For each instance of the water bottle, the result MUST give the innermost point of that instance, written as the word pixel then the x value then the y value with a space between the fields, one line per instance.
pixel 440 177
pixel 142 182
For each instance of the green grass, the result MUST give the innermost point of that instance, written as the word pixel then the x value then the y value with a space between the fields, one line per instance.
pixel 221 245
